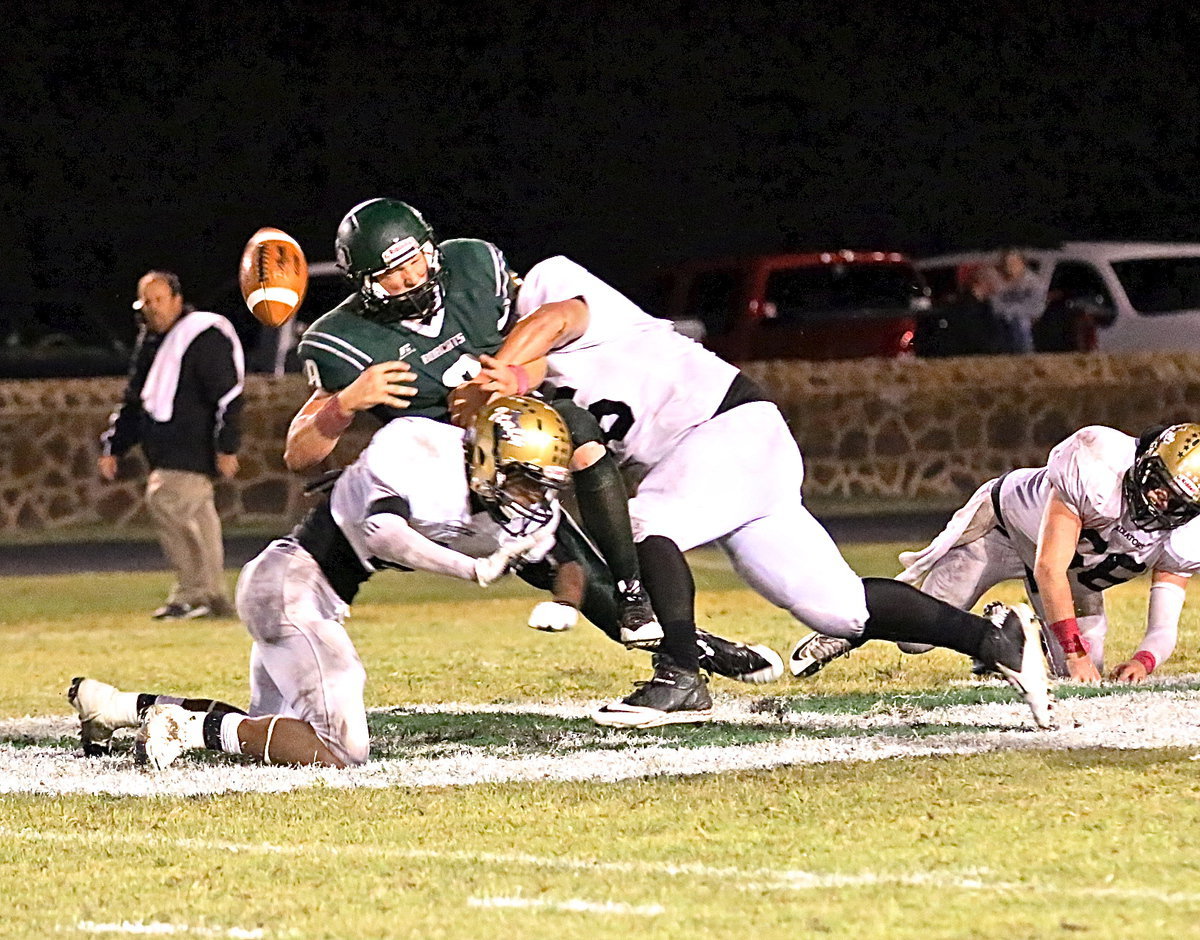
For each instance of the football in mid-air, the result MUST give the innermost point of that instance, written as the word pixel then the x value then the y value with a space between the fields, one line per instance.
pixel 273 275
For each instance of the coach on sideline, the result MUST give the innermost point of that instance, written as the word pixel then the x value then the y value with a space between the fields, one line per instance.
pixel 183 404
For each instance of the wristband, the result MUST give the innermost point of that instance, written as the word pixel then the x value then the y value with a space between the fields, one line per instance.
pixel 522 378
pixel 1146 658
pixel 1066 631
pixel 332 419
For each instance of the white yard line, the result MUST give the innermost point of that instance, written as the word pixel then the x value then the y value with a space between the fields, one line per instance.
pixel 1162 719
pixel 161 929
pixel 754 880
pixel 573 905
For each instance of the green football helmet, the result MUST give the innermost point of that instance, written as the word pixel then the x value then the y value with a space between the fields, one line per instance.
pixel 518 453
pixel 379 235
pixel 1163 485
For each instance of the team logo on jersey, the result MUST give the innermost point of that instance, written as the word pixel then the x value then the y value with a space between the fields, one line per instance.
pixel 442 348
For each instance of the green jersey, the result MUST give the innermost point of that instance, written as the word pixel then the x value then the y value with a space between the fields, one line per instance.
pixel 476 314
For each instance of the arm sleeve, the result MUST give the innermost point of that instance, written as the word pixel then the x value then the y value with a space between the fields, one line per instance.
pixel 213 355
pixel 389 537
pixel 1162 621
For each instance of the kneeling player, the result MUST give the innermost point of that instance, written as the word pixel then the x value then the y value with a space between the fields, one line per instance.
pixel 1104 509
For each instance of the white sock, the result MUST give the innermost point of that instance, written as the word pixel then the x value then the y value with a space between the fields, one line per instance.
pixel 229 733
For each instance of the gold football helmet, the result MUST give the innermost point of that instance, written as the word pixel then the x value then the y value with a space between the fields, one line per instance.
pixel 518 452
pixel 1163 485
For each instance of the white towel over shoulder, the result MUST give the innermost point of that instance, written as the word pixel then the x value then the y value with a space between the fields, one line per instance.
pixel 162 380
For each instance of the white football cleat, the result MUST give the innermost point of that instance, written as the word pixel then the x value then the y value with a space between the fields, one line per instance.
pixel 165 733
pixel 102 710
pixel 814 652
pixel 553 617
pixel 1031 679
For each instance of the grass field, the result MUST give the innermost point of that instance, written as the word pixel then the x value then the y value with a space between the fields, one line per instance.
pixel 887 797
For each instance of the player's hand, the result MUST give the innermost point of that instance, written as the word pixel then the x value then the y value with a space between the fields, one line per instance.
pixel 227 466
pixel 467 401
pixel 385 383
pixel 1080 668
pixel 491 567
pixel 553 617
pixel 106 465
pixel 1131 671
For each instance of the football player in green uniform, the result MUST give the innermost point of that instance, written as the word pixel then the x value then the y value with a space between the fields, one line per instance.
pixel 423 313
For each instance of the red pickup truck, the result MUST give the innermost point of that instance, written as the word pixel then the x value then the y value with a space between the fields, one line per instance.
pixel 802 305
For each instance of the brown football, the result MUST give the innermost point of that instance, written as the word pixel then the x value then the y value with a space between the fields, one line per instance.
pixel 273 275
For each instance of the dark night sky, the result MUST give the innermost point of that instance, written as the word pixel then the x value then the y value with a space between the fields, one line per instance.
pixel 628 136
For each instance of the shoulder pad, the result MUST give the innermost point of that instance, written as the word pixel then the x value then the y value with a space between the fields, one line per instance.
pixel 472 263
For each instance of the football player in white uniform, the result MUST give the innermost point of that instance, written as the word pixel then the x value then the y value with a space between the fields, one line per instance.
pixel 719 465
pixel 405 503
pixel 1104 509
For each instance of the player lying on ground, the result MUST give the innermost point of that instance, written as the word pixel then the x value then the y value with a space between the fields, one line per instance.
pixel 405 502
pixel 422 313
pixel 720 465
pixel 1104 509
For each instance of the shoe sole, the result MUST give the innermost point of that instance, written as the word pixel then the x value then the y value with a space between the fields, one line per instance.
pixel 649 717
pixel 1032 681
pixel 808 667
pixel 645 637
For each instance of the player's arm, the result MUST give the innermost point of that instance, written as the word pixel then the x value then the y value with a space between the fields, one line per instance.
pixel 520 363
pixel 320 423
pixel 1167 593
pixel 388 536
pixel 1058 538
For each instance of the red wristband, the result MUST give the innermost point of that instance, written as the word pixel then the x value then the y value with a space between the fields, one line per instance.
pixel 1066 631
pixel 332 419
pixel 1146 658
pixel 522 378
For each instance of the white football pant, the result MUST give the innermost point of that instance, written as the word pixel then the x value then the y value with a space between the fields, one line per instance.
pixel 735 480
pixel 302 663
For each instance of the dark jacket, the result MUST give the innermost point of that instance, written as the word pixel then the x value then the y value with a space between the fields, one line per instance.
pixel 200 427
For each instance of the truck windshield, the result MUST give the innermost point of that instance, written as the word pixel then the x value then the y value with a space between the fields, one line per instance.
pixel 1160 285
pixel 805 293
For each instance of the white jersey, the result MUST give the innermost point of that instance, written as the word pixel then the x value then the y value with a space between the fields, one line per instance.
pixel 646 384
pixel 1087 470
pixel 421 462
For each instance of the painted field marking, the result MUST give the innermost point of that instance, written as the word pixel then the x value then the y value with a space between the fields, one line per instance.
pixel 745 879
pixel 160 929
pixel 573 905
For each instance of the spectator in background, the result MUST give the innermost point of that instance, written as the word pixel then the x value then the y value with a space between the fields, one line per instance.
pixel 183 405
pixel 964 325
pixel 1018 300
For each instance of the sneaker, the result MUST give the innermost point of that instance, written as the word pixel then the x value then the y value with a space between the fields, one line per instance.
pixel 1015 651
pixel 671 697
pixel 814 652
pixel 166 732
pixel 176 611
pixel 100 714
pixel 738 661
pixel 639 627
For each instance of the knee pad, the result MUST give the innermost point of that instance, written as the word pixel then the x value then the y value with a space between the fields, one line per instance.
pixel 914 649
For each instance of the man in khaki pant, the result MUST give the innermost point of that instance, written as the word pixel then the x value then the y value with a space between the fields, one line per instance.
pixel 183 406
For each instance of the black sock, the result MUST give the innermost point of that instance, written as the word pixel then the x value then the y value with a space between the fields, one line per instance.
pixel 604 508
pixel 146 699
pixel 668 581
pixel 902 614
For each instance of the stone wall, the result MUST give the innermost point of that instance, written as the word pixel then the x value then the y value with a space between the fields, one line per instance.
pixel 924 431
